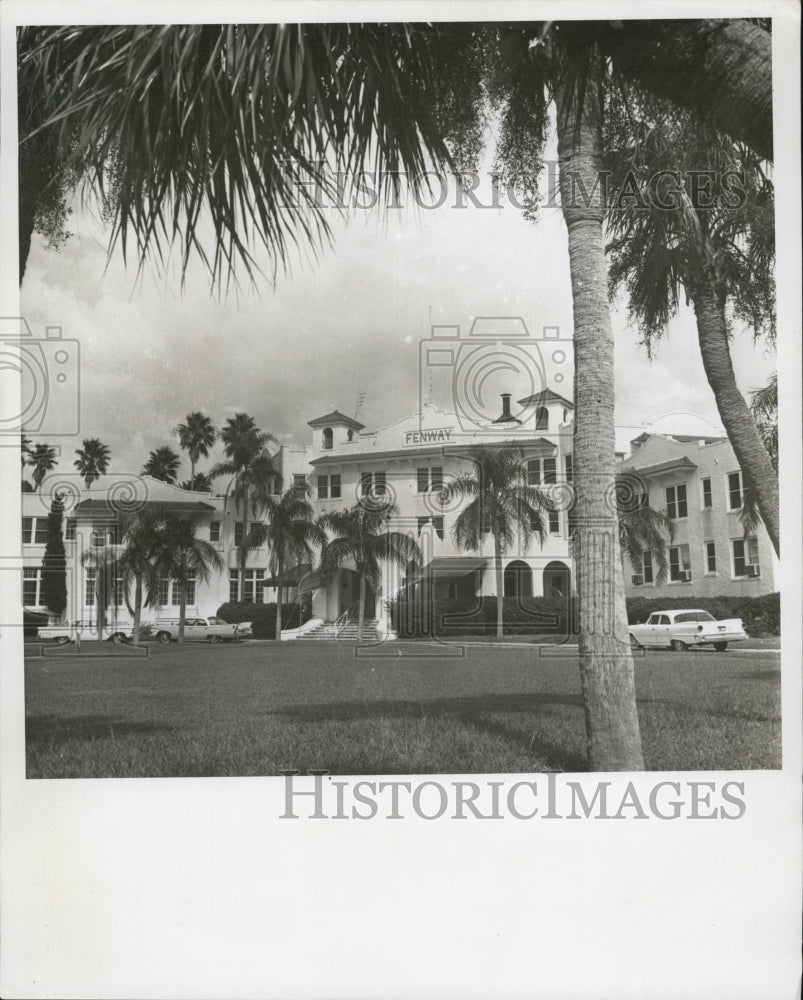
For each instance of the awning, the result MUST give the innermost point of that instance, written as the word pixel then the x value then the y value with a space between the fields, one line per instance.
pixel 450 566
pixel 310 582
pixel 291 577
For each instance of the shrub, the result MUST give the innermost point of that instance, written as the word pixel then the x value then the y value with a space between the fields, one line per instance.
pixel 761 615
pixel 263 616
pixel 414 617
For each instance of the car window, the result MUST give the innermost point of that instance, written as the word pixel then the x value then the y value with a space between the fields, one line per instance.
pixel 663 620
pixel 652 620
pixel 216 621
pixel 686 616
pixel 704 616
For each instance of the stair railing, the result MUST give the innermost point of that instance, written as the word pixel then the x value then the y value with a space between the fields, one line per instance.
pixel 342 621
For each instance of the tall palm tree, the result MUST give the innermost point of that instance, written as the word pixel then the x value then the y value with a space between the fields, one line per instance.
pixel 162 464
pixel 716 246
pixel 250 469
pixel 140 536
pixel 93 460
pixel 196 436
pixel 360 535
pixel 501 504
pixel 290 533
pixel 103 560
pixel 181 556
pixel 42 460
pixel 764 410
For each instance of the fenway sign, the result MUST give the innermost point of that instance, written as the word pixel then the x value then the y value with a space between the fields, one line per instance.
pixel 436 435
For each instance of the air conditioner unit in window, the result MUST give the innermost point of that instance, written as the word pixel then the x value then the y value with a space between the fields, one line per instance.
pixel 637 580
pixel 752 570
pixel 686 576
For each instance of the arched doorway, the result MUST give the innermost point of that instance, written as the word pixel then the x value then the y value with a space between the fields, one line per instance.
pixel 557 579
pixel 518 579
pixel 349 593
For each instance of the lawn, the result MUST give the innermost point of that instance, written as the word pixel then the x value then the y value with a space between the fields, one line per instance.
pixel 258 708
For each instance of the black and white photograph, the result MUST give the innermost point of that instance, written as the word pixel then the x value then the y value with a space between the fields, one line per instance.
pixel 400 419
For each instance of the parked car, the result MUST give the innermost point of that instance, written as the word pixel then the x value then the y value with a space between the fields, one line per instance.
pixel 62 634
pixel 682 627
pixel 212 629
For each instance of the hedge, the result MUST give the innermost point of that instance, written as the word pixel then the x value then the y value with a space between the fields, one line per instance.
pixel 263 616
pixel 413 618
pixel 416 618
pixel 761 615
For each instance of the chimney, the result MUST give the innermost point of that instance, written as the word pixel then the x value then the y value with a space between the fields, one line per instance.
pixel 506 417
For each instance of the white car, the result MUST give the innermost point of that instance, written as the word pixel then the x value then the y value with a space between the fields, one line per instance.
pixel 212 629
pixel 683 627
pixel 62 634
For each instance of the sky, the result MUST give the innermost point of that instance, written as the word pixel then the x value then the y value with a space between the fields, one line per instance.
pixel 338 328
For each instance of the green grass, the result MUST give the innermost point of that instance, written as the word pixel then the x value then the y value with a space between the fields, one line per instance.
pixel 258 708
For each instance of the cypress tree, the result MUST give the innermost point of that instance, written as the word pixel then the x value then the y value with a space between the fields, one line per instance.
pixel 54 563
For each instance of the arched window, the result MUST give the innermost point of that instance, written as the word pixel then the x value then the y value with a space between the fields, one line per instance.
pixel 351 434
pixel 327 439
pixel 542 419
pixel 518 579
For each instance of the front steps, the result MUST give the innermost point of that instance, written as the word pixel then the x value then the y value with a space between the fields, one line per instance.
pixel 348 633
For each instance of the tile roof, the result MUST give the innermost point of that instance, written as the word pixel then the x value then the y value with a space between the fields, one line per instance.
pixel 670 466
pixel 336 417
pixel 545 396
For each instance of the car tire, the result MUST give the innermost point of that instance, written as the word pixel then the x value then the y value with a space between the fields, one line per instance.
pixel 678 645
pixel 720 647
pixel 62 640
pixel 213 638
pixel 163 636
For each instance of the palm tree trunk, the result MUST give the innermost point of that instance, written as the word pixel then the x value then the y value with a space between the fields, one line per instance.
pixel 361 609
pixel 137 606
pixel 182 608
pixel 606 663
pixel 500 588
pixel 280 581
pixel 242 553
pixel 753 458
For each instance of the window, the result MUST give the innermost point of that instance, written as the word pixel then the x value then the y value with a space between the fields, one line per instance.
pixel 534 472
pixel 422 476
pixel 429 479
pixel 569 469
pixel 214 531
pixel 328 439
pixel 646 566
pixel 89 587
pixel 710 557
pixel 191 587
pixel 745 557
pixel 436 522
pixel 422 523
pixel 554 522
pixel 550 470
pixel 323 487
pixel 676 502
pixel 299 482
pixel 238 533
pixel 31 579
pixel 679 564
pixel 372 483
pixel 119 592
pixel 233 580
pixel 334 486
pixel 542 419
pixel 707 500
pixel 735 491
pixel 34 529
pixel 254 586
pixel 164 590
pixel 69 529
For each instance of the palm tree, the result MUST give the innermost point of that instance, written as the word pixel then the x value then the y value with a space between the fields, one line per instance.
pixel 201 482
pixel 137 561
pixel 93 460
pixel 196 437
pixel 182 556
pixel 162 464
pixel 250 468
pixel 290 533
pixel 764 410
pixel 360 535
pixel 42 460
pixel 719 252
pixel 103 560
pixel 501 504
